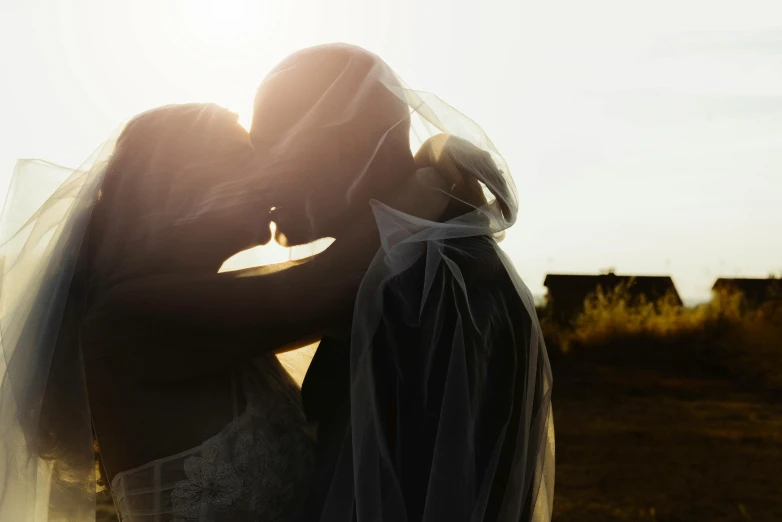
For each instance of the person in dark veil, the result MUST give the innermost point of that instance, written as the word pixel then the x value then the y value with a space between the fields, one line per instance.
pixel 112 315
pixel 436 404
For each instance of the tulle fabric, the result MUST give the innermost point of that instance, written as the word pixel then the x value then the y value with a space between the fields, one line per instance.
pixel 492 368
pixel 368 482
pixel 43 226
pixel 342 134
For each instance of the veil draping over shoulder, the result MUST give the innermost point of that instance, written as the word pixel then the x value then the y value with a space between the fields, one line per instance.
pixel 441 274
pixel 449 380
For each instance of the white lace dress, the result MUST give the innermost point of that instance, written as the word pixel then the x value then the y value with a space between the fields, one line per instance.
pixel 256 469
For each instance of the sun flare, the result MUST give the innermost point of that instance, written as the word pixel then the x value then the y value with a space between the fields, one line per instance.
pixel 273 253
pixel 232 23
pixel 297 361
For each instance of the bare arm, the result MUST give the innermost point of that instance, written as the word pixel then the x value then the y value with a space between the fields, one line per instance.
pixel 176 325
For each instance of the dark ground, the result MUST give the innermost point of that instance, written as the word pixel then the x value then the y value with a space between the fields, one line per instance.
pixel 645 435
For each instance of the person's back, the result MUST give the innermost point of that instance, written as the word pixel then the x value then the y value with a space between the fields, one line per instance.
pixel 451 378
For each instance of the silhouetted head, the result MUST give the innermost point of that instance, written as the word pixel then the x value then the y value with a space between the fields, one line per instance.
pixel 150 217
pixel 333 134
pixel 148 220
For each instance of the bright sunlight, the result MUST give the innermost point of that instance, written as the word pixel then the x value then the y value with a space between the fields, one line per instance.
pixel 273 252
pixel 295 362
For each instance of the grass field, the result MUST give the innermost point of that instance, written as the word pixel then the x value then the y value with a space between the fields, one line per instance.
pixel 633 444
pixel 668 415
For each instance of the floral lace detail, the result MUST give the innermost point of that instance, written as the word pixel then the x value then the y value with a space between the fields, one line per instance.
pixel 267 493
pixel 258 470
pixel 208 486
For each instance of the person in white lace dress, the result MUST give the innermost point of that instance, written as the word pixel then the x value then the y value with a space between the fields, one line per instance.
pixel 188 430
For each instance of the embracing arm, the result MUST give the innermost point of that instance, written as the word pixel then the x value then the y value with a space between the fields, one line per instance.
pixel 177 325
pixel 173 326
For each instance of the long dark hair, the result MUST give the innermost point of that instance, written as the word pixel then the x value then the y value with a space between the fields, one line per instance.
pixel 164 164
pixel 143 183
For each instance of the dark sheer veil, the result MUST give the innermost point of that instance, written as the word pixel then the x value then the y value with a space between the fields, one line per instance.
pixel 449 390
pixel 458 491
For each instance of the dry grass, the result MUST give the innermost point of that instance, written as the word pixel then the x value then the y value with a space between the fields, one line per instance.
pixel 747 341
pixel 668 414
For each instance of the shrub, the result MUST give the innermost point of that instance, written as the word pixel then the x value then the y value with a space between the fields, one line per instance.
pixel 746 341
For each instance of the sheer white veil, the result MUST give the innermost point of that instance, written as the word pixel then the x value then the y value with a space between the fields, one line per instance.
pixel 42 233
pixel 43 225
pixel 47 452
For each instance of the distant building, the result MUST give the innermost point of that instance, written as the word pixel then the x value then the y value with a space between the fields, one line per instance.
pixel 567 293
pixel 756 291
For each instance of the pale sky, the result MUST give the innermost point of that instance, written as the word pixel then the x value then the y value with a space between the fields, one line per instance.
pixel 645 136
